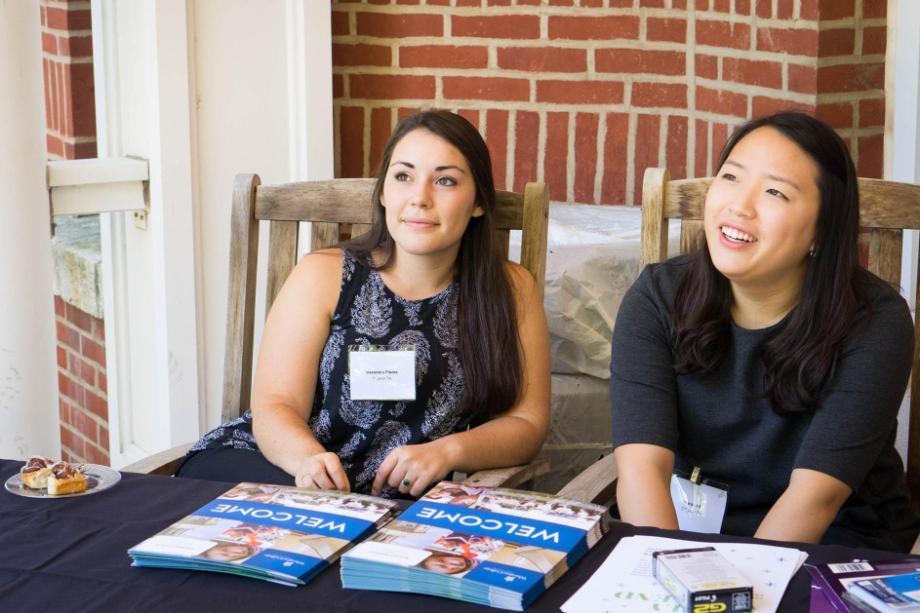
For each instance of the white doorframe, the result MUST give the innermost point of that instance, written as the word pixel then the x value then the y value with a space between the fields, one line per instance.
pixel 143 108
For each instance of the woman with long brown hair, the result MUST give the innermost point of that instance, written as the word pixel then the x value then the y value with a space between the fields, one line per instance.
pixel 768 359
pixel 428 280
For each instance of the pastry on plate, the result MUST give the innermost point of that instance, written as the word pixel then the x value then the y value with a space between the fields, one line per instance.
pixel 36 471
pixel 65 479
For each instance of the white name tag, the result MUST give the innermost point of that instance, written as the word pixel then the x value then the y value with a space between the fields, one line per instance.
pixel 700 507
pixel 379 373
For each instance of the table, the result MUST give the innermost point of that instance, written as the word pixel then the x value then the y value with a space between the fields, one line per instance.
pixel 69 554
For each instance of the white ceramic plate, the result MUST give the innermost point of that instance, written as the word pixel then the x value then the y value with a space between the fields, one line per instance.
pixel 98 478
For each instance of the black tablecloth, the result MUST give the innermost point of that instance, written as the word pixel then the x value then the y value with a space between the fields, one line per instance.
pixel 69 554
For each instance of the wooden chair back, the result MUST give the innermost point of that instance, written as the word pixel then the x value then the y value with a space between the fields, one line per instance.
pixel 334 207
pixel 886 209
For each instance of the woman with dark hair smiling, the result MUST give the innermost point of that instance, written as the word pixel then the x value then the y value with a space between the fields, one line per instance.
pixel 410 352
pixel 769 360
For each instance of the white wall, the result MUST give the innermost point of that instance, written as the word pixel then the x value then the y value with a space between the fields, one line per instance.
pixel 28 372
pixel 263 94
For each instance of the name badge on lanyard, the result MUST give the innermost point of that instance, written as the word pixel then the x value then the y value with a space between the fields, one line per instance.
pixel 381 373
pixel 700 505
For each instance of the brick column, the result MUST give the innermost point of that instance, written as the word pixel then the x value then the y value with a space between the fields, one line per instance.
pixel 71 134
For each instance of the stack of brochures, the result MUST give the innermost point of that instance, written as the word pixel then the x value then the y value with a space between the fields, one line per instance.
pixel 886 585
pixel 490 546
pixel 278 533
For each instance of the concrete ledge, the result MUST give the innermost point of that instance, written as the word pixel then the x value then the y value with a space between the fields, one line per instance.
pixel 78 262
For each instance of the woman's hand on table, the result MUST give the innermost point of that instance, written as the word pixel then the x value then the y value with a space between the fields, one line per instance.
pixel 412 469
pixel 322 471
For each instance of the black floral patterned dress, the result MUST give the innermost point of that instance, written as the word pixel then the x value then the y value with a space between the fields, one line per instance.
pixel 363 432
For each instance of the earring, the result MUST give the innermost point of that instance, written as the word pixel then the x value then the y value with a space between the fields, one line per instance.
pixel 812 251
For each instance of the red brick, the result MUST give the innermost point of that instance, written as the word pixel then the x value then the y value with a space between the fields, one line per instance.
pixel 764 8
pixel 486 88
pixel 593 28
pixel 93 351
pixel 659 95
pixel 390 87
pixel 586 127
pixel 340 23
pixel 871 155
pixel 872 113
pixel 707 66
pixel 721 102
pixel 338 86
pixel 408 1
pixel 46 76
pixel 83 111
pixel 49 43
pixel 69 150
pixel 666 29
pixel 103 382
pixel 784 9
pixel 795 41
pixel 838 41
pixel 809 10
pixel 837 114
pixel 543 59
pixel 56 18
pixel 68 336
pixel 723 34
pixel 84 424
pixel 104 437
pixel 71 441
pixel 381 126
pixel 719 138
pixel 654 4
pixel 82 151
pixel 874 40
pixel 556 154
pixel 82 369
pixel 742 7
pixel 351 131
pixel 399 25
pixel 561 2
pixel 701 5
pixel 639 60
pixel 96 456
pixel 676 147
pixel 76 46
pixel 648 132
pixel 722 6
pixel 874 9
pixel 837 9
pixel 753 72
pixel 55 146
pixel 527 139
pixel 592 3
pixel 444 56
pixel 616 158
pixel 99 329
pixel 469 2
pixel 679 4
pixel 471 115
pixel 762 105
pixel 803 79
pixel 701 156
pixel 59 306
pixel 63 410
pixel 497 140
pixel 499 2
pixel 404 112
pixel 497 26
pixel 61 357
pixel 851 77
pixel 70 388
pixel 360 55
pixel 438 2
pixel 97 404
pixel 78 318
pixel 580 92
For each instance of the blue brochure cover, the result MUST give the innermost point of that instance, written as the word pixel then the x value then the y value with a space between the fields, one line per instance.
pixel 836 579
pixel 896 593
pixel 273 532
pixel 492 546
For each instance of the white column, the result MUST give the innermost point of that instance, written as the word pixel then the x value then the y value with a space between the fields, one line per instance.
pixel 28 381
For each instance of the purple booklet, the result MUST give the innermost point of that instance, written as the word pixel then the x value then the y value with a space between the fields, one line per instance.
pixel 829 581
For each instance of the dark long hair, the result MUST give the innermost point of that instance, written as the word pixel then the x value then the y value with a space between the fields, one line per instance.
pixel 488 341
pixel 800 358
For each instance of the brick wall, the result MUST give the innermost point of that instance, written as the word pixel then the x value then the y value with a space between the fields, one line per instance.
pixel 585 94
pixel 71 133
